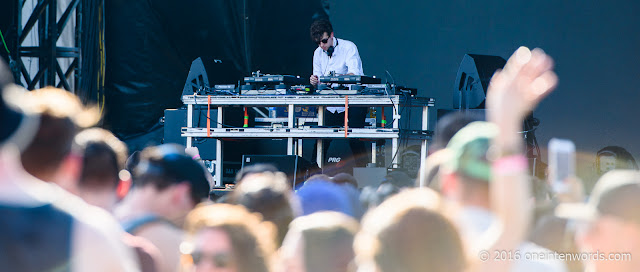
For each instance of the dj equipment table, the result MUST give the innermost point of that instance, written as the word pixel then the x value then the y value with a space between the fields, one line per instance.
pixel 291 133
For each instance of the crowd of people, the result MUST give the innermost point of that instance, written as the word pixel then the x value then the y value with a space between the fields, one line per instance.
pixel 73 199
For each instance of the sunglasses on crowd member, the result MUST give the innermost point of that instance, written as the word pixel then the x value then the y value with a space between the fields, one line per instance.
pixel 219 260
pixel 325 40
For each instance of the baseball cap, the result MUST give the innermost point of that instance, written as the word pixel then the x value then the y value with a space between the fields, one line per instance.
pixel 17 124
pixel 323 195
pixel 468 150
pixel 616 193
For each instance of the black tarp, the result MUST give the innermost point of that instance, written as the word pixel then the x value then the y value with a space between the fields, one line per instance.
pixel 8 29
pixel 150 45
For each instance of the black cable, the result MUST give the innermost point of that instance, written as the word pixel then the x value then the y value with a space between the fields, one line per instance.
pixel 407 123
pixel 400 113
pixel 394 81
pixel 394 88
pixel 385 89
pixel 404 126
pixel 199 113
pixel 404 138
pixel 394 156
pixel 535 140
pixel 410 115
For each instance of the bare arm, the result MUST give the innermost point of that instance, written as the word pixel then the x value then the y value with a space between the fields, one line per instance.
pixel 515 91
pixel 98 246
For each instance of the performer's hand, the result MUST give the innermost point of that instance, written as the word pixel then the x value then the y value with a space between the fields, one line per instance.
pixel 314 80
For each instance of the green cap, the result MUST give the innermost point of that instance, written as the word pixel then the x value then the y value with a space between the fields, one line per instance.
pixel 468 150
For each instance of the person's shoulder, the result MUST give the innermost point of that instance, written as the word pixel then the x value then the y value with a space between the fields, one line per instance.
pixel 96 237
pixel 162 234
pixel 166 238
pixel 101 248
pixel 347 43
pixel 83 212
pixel 317 51
pixel 148 254
pixel 161 226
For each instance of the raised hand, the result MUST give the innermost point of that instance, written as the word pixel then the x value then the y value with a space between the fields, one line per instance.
pixel 517 89
pixel 513 93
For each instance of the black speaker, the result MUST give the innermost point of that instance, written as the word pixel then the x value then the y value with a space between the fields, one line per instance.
pixel 205 72
pixel 472 80
pixel 297 168
pixel 339 158
pixel 175 119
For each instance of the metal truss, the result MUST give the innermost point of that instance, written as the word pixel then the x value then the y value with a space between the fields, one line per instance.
pixel 49 28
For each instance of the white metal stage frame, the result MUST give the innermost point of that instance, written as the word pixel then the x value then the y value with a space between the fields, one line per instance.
pixel 293 134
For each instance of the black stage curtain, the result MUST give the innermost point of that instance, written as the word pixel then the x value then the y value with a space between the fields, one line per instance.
pixel 150 45
pixel 90 87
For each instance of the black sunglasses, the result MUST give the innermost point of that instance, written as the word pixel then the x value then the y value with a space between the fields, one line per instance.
pixel 220 260
pixel 326 40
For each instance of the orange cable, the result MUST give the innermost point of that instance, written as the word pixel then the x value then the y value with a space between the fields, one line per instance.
pixel 346 115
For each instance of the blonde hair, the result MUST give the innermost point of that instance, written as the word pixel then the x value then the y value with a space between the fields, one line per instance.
pixel 251 238
pixel 269 194
pixel 410 232
pixel 326 240
pixel 61 114
pixel 59 103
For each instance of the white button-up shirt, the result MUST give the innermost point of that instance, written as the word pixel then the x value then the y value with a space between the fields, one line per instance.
pixel 345 60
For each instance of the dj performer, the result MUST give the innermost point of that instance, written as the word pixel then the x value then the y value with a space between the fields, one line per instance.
pixel 338 57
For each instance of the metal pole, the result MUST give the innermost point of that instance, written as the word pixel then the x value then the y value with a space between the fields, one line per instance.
pixel 50 46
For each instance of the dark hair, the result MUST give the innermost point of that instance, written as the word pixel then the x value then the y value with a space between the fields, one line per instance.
pixel 319 27
pixel 325 239
pixel 399 179
pixel 269 194
pixel 449 125
pixel 371 197
pixel 319 177
pixel 49 147
pixel 344 178
pixel 255 169
pixel 99 164
pixel 103 158
pixel 62 113
pixel 168 164
pixel 620 154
